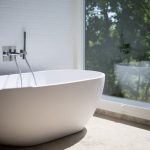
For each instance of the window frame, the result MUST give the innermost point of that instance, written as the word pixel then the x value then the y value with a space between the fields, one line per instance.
pixel 110 103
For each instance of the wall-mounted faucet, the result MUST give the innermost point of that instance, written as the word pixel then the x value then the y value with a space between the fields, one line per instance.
pixel 10 54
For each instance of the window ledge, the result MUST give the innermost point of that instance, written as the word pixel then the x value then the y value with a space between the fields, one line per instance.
pixel 125 107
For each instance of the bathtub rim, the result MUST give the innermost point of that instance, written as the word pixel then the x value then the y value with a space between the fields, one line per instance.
pixel 101 76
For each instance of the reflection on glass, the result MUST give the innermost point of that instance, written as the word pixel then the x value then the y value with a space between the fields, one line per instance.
pixel 118 44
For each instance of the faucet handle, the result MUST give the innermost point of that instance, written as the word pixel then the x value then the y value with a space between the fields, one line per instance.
pixel 7 50
pixel 23 53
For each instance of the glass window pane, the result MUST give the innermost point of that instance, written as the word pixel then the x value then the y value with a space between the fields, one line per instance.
pixel 118 44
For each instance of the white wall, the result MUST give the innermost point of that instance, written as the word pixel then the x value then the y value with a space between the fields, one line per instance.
pixel 54 32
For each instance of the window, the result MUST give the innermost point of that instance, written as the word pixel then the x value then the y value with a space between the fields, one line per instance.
pixel 117 42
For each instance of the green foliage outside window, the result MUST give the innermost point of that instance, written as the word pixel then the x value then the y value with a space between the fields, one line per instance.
pixel 118 31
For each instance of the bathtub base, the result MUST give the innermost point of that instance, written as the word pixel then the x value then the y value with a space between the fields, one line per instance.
pixel 27 143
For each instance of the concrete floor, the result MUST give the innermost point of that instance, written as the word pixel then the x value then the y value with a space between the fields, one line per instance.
pixel 101 133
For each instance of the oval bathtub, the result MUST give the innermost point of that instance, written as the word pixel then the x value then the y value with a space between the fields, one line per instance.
pixel 61 104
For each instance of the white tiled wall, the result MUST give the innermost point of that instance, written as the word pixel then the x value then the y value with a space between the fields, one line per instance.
pixel 54 32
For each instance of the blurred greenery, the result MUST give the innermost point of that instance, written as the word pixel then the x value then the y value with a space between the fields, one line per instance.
pixel 118 31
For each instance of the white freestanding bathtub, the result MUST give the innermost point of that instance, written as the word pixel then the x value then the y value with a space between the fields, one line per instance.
pixel 61 104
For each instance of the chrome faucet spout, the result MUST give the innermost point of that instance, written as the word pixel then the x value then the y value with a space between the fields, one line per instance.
pixel 31 71
pixel 19 70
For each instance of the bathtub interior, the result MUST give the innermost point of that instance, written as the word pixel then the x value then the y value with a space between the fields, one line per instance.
pixel 49 77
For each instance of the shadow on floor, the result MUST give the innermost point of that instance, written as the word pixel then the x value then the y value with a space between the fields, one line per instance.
pixel 59 144
pixel 123 121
